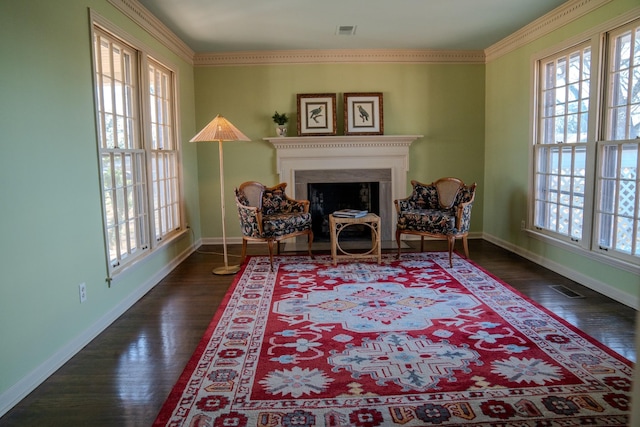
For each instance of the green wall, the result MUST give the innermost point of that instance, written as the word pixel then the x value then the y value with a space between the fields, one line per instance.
pixel 508 137
pixel 474 118
pixel 51 224
pixel 445 103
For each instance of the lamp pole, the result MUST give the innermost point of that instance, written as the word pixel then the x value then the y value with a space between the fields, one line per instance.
pixel 226 269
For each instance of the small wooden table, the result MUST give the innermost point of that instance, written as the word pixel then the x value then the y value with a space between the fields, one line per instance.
pixel 337 224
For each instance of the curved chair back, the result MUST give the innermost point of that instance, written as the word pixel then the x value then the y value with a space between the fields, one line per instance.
pixel 252 192
pixel 448 189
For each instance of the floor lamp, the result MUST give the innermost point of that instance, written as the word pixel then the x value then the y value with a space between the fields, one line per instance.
pixel 220 129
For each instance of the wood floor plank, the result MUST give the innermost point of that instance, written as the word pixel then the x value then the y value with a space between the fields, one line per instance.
pixel 123 376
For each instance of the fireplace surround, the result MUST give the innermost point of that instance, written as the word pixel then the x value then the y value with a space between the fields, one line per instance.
pixel 358 158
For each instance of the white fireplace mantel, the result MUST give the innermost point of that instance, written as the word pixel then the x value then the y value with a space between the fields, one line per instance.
pixel 347 153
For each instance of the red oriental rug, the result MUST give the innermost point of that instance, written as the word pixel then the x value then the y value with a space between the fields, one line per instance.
pixel 406 343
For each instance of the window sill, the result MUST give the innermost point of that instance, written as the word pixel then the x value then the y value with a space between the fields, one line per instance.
pixel 116 274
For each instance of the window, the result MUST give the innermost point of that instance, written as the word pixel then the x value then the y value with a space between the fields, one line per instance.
pixel 618 210
pixel 560 151
pixel 138 152
pixel 578 147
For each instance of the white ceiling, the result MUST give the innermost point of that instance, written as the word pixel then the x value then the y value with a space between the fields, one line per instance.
pixel 259 25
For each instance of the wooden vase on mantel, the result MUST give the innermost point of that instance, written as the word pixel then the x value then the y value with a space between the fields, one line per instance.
pixel 281 130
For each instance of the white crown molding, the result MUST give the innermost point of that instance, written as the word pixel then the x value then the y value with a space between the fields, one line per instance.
pixel 557 18
pixel 141 16
pixel 340 56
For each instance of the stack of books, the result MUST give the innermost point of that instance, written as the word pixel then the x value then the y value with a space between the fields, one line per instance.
pixel 350 213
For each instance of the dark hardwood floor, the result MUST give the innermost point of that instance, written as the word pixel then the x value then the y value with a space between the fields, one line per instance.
pixel 123 376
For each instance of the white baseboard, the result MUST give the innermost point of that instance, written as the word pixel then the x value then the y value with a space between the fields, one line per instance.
pixel 30 382
pixel 218 241
pixel 238 240
pixel 629 300
pixel 472 235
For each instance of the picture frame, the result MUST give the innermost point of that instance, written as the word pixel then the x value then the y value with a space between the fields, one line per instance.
pixel 363 114
pixel 316 114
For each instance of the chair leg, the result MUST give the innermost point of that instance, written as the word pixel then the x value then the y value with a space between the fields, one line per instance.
pixel 270 245
pixel 452 242
pixel 421 243
pixel 398 234
pixel 310 241
pixel 243 256
pixel 466 246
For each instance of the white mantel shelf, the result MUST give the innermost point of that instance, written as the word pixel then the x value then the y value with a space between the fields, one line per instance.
pixel 341 141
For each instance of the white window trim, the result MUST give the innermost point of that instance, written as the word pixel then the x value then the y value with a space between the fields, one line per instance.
pixel 595 37
pixel 95 19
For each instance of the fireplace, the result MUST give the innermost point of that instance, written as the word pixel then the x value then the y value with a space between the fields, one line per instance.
pixel 382 159
pixel 327 197
pixel 381 178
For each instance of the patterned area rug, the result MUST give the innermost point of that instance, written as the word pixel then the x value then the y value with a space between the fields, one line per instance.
pixel 406 343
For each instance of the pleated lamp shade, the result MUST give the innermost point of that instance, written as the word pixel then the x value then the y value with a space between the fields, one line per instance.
pixel 219 129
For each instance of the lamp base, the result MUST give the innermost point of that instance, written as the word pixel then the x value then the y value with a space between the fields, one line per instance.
pixel 231 269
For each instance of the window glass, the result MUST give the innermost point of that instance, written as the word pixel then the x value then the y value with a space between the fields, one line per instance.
pixel 138 158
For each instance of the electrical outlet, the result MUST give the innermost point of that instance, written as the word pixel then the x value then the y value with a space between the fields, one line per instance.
pixel 522 225
pixel 83 292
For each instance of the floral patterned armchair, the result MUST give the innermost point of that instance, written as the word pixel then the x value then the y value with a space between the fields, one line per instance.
pixel 441 210
pixel 267 214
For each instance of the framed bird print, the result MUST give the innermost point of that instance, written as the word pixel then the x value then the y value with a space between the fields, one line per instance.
pixel 363 114
pixel 316 114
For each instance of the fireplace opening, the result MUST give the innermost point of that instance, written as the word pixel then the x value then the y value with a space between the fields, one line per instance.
pixel 326 198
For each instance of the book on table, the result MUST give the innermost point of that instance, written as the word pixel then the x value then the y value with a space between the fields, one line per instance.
pixel 350 213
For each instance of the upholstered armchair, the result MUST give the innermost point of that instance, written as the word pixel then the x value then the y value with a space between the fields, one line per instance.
pixel 268 215
pixel 440 210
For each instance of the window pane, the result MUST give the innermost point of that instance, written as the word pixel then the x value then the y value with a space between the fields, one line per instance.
pixel 605 233
pixel 629 162
pixel 560 130
pixel 548 129
pixel 626 206
pixel 624 85
pixel 624 234
pixel 577 216
pixel 608 196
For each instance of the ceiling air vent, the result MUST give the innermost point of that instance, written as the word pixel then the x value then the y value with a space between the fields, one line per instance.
pixel 346 30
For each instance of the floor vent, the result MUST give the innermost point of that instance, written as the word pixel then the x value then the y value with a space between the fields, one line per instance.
pixel 566 291
pixel 346 30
